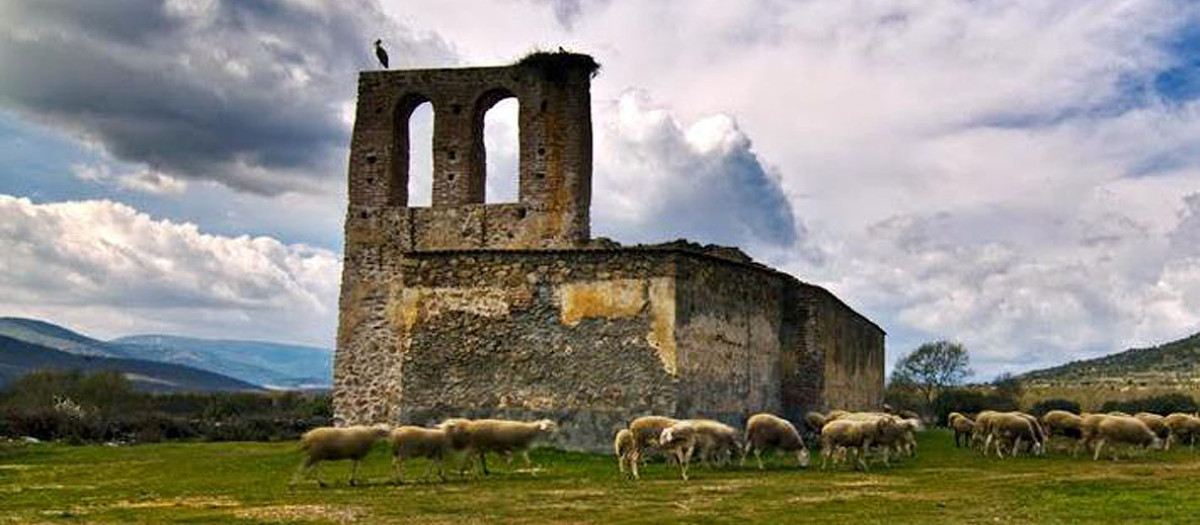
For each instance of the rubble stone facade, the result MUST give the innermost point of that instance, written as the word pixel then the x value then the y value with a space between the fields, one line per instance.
pixel 512 310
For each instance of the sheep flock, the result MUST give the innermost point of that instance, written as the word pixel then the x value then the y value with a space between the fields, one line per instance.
pixel 854 440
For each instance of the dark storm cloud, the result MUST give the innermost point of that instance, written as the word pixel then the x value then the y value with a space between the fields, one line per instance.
pixel 249 93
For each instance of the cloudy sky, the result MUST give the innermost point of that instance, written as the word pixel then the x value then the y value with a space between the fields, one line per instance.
pixel 1021 176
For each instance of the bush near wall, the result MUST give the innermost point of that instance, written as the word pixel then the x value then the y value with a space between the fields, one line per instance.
pixel 1164 404
pixel 968 401
pixel 1047 405
pixel 103 407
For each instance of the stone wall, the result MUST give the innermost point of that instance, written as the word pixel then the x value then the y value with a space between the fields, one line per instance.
pixel 851 349
pixel 596 337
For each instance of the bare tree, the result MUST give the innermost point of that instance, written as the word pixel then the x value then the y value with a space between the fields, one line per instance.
pixel 932 367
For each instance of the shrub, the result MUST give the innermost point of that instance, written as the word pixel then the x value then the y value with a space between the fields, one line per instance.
pixel 101 407
pixel 1164 404
pixel 1047 405
pixel 968 401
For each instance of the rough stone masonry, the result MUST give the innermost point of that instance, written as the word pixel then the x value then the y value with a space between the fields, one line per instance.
pixel 511 310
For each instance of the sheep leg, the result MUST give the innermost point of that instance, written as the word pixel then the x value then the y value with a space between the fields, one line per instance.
pixel 685 459
pixel 1016 447
pixel 635 457
pixel 353 473
pixel 398 469
pixel 861 453
pixel 525 456
pixel 483 462
pixel 302 470
pixel 1099 447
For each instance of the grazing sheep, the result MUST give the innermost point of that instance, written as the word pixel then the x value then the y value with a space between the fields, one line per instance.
pixel 1063 423
pixel 1157 424
pixel 908 442
pixel 681 439
pixel 767 431
pixel 623 448
pixel 1182 427
pixel 982 429
pixel 1089 429
pixel 1123 429
pixel 720 442
pixel 962 426
pixel 1010 428
pixel 1038 445
pixel 418 442
pixel 646 431
pixel 334 444
pixel 846 435
pixel 496 435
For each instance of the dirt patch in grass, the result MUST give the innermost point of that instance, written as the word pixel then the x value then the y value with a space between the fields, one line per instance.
pixel 55 486
pixel 185 502
pixel 337 514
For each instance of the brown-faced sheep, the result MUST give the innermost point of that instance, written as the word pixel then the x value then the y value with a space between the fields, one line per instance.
pixel 496 435
pixel 1183 427
pixel 646 431
pixel 1123 429
pixel 846 435
pixel 814 421
pixel 334 444
pixel 623 447
pixel 962 427
pixel 770 432
pixel 418 442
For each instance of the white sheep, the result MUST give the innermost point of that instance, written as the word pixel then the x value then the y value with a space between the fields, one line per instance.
pixel 1124 429
pixel 623 448
pixel 418 442
pixel 1157 424
pixel 767 432
pixel 496 435
pixel 1011 428
pixel 646 432
pixel 681 440
pixel 720 442
pixel 847 435
pixel 1063 423
pixel 334 444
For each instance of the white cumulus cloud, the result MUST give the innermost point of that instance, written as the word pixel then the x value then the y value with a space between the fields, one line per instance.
pixel 109 270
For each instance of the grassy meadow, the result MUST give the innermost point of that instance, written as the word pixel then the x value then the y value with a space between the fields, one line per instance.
pixel 247 483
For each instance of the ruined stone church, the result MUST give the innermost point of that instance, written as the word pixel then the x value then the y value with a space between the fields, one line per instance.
pixel 463 308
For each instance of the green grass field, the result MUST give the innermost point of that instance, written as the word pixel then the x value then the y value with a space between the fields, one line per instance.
pixel 247 483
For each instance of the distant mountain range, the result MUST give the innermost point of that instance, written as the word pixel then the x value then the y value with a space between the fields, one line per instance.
pixel 251 364
pixel 18 358
pixel 1169 364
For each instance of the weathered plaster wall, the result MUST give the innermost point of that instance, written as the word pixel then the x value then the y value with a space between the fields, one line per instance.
pixel 852 350
pixel 728 337
pixel 583 337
